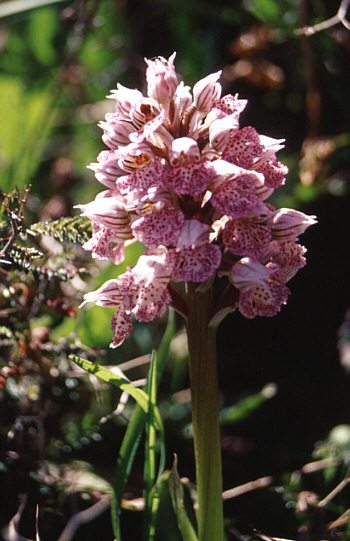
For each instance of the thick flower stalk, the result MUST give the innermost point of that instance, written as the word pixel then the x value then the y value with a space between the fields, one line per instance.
pixel 185 180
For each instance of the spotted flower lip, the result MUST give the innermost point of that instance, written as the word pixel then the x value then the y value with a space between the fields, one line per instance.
pixel 263 289
pixel 191 184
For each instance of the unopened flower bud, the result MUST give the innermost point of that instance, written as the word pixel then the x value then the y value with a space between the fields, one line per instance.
pixel 206 91
pixel 107 295
pixel 161 78
pixel 116 132
pixel 182 98
pixel 288 224
pixel 107 169
pixel 125 99
pixel 107 211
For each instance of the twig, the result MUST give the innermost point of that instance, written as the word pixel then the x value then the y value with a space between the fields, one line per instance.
pixel 16 218
pixel 340 521
pixel 83 517
pixel 334 492
pixel 339 17
pixel 311 467
pixel 10 532
pixel 237 534
pixel 247 487
pixel 37 536
pixel 267 538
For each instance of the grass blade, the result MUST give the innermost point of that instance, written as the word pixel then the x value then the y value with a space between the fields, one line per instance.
pixel 177 497
pixel 134 431
pixel 122 383
pixel 150 451
pixel 18 6
pixel 246 406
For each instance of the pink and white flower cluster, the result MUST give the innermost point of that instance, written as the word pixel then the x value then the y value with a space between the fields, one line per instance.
pixel 185 180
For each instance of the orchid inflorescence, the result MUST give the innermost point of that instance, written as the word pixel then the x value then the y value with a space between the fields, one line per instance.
pixel 187 182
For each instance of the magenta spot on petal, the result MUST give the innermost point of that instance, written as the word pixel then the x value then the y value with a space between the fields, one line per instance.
pixel 245 237
pixel 265 300
pixel 159 228
pixel 195 265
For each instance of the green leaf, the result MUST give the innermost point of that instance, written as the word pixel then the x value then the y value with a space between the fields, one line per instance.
pixel 150 446
pixel 21 257
pixel 42 30
pixel 177 497
pixel 150 470
pixel 73 229
pixel 245 407
pixel 125 461
pixel 167 527
pixel 238 412
pixel 122 383
pixel 266 10
pixel 282 16
pixel 133 434
pixel 26 119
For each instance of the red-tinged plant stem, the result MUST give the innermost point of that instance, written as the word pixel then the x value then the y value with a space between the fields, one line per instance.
pixel 205 413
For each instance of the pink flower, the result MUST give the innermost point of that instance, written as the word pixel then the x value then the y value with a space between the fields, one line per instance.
pixel 101 245
pixel 151 297
pixel 135 156
pixel 244 148
pixel 230 105
pixel 288 224
pixel 288 255
pixel 183 150
pixel 234 189
pixel 143 111
pixel 161 79
pixel 116 131
pixel 245 236
pixel 108 211
pixel 107 295
pixel 262 288
pixel 107 169
pixel 141 179
pixel 194 259
pixel 159 227
pixel 121 326
pixel 141 291
pixel 125 98
pixel 221 129
pixel 274 172
pixel 191 184
pixel 182 103
pixel 192 179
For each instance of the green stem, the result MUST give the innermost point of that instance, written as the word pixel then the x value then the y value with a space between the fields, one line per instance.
pixel 205 413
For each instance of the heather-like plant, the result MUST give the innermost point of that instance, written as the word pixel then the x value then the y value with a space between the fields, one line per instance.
pixel 185 180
